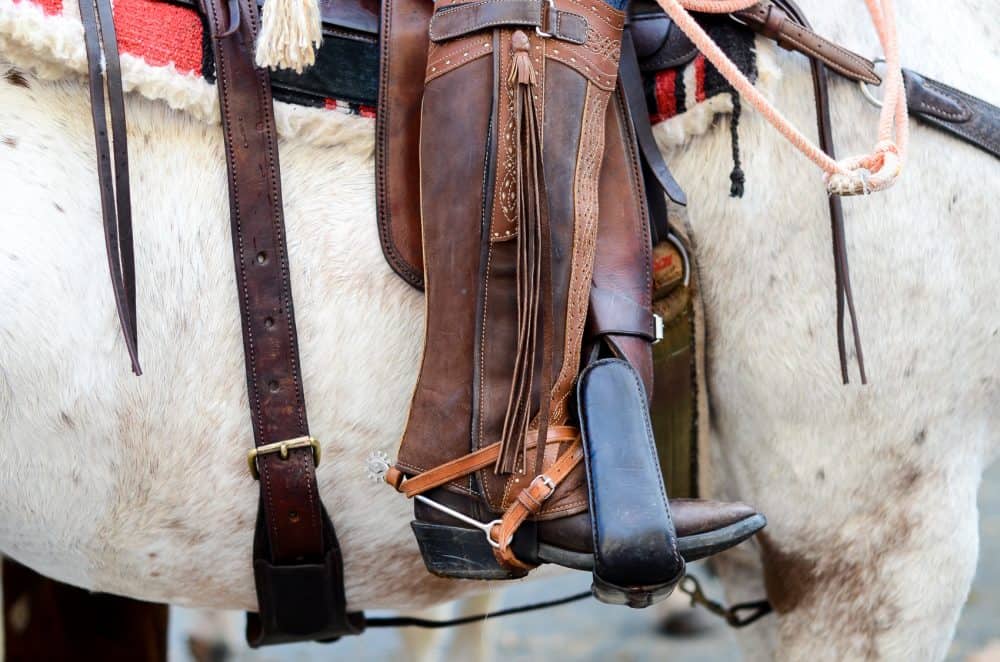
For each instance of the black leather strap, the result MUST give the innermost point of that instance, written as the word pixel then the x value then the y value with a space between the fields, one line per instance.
pixel 631 85
pixel 962 115
pixel 116 208
pixel 297 563
pixel 635 544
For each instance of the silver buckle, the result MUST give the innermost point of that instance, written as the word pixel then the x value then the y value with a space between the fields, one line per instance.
pixel 658 328
pixel 547 482
pixel 542 15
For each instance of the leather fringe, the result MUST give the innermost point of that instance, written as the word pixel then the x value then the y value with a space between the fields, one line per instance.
pixel 529 259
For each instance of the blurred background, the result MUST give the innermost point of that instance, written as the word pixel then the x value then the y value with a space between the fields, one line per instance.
pixel 589 630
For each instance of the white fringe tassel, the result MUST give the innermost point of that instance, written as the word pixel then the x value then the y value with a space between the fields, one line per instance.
pixel 290 31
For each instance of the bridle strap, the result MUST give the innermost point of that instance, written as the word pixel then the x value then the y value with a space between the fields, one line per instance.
pixel 297 562
pixel 116 207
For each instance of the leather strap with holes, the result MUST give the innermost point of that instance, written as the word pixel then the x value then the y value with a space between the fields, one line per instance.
pixel 297 564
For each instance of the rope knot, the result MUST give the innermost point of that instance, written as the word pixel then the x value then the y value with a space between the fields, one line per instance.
pixel 862 175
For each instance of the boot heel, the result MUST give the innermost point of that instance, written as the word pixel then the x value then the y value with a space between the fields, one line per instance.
pixel 458 553
pixel 636 597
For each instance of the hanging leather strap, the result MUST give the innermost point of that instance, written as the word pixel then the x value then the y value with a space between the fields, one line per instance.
pixel 116 208
pixel 297 562
pixel 842 274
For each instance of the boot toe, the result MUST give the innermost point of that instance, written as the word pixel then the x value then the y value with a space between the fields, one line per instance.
pixel 694 516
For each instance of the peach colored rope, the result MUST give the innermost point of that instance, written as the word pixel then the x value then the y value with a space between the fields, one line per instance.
pixel 855 175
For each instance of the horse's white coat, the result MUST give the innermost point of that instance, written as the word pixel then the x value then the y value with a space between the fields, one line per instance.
pixel 139 486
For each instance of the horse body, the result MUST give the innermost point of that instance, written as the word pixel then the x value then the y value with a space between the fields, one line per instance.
pixel 139 486
pixel 870 492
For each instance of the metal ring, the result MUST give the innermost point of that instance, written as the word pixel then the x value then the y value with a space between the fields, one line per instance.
pixel 864 85
pixel 684 257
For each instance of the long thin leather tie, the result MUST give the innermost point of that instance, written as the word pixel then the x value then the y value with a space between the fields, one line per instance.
pixel 842 275
pixel 116 208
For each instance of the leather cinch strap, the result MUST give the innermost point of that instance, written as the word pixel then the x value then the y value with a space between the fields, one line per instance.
pixel 297 563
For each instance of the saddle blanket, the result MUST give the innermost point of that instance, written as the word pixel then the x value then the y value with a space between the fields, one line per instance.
pixel 166 56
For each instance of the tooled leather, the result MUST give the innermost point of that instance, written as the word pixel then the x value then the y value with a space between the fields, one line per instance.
pixel 603 45
pixel 625 238
pixel 503 224
pixel 600 56
pixel 596 59
pixel 498 322
pixel 584 245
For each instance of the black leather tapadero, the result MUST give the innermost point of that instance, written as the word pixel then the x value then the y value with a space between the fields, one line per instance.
pixel 636 559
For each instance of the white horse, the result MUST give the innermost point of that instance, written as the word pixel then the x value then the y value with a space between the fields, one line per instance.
pixel 139 486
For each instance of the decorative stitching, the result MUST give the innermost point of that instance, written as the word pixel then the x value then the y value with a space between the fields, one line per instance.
pixel 945 93
pixel 863 75
pixel 457 31
pixel 603 45
pixel 399 264
pixel 590 153
pixel 616 20
pixel 590 69
pixel 451 60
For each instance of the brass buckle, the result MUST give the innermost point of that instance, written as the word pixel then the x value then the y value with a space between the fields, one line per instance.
pixel 282 447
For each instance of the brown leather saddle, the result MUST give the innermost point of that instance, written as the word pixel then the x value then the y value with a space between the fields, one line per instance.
pixel 519 185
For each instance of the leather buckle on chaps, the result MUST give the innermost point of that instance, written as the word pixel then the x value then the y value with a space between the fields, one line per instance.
pixel 546 17
pixel 543 479
pixel 282 447
pixel 659 328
